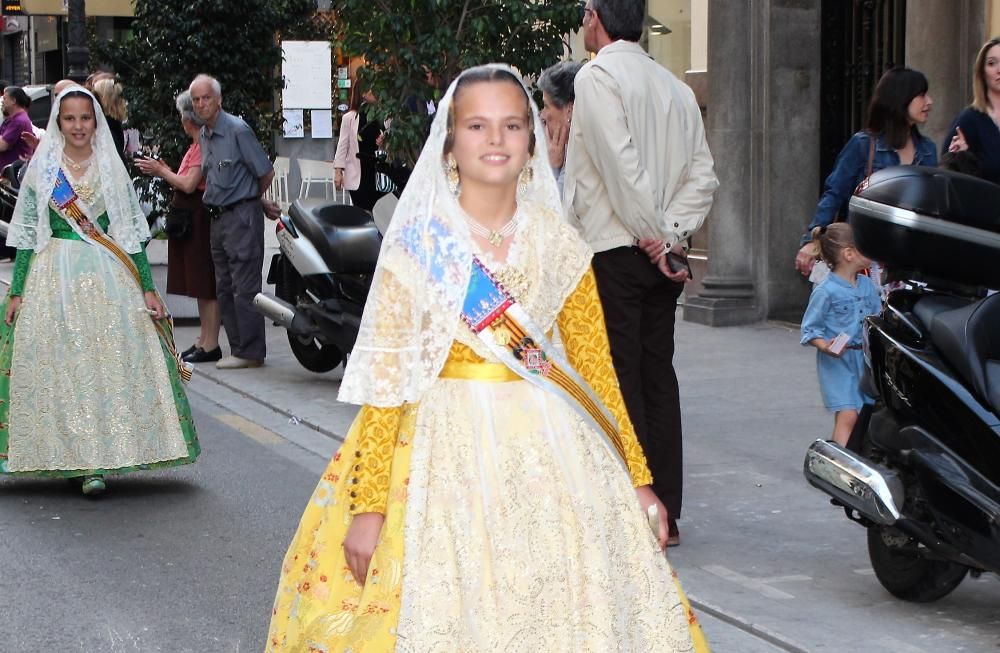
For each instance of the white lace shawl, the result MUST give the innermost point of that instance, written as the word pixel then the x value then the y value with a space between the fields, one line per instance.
pixel 414 305
pixel 30 227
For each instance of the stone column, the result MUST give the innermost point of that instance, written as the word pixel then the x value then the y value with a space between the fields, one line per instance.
pixel 729 295
pixel 958 27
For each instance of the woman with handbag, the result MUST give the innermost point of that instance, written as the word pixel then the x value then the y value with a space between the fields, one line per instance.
pixel 190 270
pixel 90 382
pixel 491 495
pixel 891 137
pixel 368 139
pixel 346 166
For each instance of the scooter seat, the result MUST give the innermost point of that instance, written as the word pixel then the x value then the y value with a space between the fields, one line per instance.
pixel 968 338
pixel 344 235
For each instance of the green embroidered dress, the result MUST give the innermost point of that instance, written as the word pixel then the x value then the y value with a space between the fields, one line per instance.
pixel 86 386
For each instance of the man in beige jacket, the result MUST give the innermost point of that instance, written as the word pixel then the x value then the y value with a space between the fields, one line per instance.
pixel 639 182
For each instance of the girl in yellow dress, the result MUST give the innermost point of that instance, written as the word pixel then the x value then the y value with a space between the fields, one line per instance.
pixel 491 495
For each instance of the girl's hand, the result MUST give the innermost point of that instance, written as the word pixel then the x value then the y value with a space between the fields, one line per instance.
pixel 153 303
pixel 824 346
pixel 13 306
pixel 338 179
pixel 359 545
pixel 648 498
pixel 958 142
pixel 826 349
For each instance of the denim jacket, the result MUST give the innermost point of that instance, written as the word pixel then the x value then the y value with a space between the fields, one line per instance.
pixel 852 163
pixel 837 306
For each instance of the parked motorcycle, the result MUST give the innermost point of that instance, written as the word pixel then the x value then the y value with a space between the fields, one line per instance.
pixel 922 469
pixel 321 276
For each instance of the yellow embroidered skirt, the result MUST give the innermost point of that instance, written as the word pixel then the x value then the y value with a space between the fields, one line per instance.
pixel 520 531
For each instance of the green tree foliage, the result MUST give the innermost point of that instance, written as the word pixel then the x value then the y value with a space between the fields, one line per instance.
pixel 404 39
pixel 236 41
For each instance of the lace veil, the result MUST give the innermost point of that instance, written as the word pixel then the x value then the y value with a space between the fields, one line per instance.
pixel 29 226
pixel 414 305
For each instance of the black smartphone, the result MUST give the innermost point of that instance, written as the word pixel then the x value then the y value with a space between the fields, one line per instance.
pixel 678 263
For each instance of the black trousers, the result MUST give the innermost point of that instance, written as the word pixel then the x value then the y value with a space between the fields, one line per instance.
pixel 640 304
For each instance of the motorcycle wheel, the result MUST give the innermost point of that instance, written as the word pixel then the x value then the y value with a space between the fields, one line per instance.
pixel 905 573
pixel 309 352
pixel 314 355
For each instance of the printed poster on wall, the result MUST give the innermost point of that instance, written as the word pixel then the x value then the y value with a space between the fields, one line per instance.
pixel 322 123
pixel 294 123
pixel 307 70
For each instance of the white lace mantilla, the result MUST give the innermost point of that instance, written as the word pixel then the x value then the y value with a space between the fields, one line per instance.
pixel 413 310
pixel 30 227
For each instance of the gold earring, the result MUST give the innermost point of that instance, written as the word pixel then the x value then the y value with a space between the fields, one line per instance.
pixel 451 174
pixel 525 178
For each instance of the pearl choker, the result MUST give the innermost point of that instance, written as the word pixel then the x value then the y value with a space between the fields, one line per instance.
pixel 75 165
pixel 497 237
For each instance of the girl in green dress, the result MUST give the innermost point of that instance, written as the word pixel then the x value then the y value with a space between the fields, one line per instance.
pixel 89 380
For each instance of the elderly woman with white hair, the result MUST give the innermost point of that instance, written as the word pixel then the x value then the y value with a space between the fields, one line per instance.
pixel 190 270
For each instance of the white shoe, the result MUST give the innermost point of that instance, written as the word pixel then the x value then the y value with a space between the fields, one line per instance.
pixel 237 363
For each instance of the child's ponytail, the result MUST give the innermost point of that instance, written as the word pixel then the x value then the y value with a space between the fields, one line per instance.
pixel 831 240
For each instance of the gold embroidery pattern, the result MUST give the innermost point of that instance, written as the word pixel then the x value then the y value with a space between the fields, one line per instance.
pixel 589 353
pixel 524 536
pixel 71 343
pixel 372 458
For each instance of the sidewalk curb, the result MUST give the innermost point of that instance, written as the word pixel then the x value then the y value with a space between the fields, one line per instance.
pixel 214 378
pixel 760 632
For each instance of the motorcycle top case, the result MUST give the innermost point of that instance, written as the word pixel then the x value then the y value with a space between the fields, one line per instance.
pixel 940 223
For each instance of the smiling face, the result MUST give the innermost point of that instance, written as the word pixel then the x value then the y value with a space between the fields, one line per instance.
pixel 920 108
pixel 492 134
pixel 77 121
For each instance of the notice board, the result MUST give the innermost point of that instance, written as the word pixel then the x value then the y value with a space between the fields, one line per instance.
pixel 308 75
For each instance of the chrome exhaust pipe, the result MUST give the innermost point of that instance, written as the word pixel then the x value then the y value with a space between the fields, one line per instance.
pixel 276 309
pixel 284 314
pixel 872 490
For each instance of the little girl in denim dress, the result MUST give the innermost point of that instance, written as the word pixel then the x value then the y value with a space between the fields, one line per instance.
pixel 839 305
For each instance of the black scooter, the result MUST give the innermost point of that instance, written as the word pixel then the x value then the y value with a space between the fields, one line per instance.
pixel 321 276
pixel 922 469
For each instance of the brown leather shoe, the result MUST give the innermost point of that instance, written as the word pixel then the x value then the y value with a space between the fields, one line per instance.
pixel 673 535
pixel 237 363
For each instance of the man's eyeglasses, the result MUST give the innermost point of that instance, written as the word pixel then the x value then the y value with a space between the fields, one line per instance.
pixel 585 11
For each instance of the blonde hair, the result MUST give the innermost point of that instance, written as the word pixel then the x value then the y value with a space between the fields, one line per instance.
pixel 980 98
pixel 110 94
pixel 831 241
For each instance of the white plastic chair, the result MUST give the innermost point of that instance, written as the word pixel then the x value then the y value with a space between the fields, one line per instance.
pixel 278 191
pixel 315 172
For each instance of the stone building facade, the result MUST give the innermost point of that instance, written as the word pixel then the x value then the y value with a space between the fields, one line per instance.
pixel 765 118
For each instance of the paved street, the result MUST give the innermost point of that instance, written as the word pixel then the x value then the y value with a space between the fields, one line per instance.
pixel 187 560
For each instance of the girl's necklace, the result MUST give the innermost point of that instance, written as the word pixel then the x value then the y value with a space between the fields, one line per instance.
pixel 497 237
pixel 77 165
